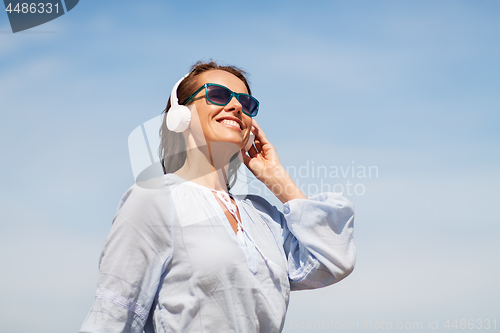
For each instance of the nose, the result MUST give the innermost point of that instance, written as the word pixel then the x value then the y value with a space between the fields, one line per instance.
pixel 234 106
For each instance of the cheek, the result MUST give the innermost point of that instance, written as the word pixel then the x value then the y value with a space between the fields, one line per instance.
pixel 248 122
pixel 197 123
pixel 202 115
pixel 206 119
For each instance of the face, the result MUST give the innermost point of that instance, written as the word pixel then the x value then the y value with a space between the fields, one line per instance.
pixel 222 123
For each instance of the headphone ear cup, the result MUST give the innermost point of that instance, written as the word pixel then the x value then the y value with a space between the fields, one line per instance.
pixel 249 144
pixel 178 118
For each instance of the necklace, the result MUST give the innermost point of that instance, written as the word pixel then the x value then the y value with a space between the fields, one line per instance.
pixel 225 198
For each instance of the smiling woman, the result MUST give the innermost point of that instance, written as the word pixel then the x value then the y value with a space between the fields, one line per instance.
pixel 187 255
pixel 204 77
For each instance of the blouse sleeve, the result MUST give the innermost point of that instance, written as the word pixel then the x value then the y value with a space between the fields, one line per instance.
pixel 317 237
pixel 135 255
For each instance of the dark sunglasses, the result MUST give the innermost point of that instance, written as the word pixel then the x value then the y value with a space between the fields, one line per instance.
pixel 220 95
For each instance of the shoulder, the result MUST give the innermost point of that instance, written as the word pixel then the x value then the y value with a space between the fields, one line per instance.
pixel 265 209
pixel 146 197
pixel 256 202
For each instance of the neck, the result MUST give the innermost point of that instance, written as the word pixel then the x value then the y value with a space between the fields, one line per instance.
pixel 208 165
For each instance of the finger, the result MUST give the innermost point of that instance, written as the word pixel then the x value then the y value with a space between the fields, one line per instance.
pixel 258 145
pixel 256 130
pixel 260 133
pixel 252 151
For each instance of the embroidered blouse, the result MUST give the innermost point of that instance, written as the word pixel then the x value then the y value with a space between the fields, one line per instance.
pixel 172 262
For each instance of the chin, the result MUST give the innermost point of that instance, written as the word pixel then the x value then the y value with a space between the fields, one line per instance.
pixel 226 144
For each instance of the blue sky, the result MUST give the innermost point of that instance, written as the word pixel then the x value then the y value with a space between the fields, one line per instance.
pixel 410 87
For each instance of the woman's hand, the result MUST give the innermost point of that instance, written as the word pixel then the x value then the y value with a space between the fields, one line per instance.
pixel 264 163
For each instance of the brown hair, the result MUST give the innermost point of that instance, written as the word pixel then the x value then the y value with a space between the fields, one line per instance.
pixel 172 150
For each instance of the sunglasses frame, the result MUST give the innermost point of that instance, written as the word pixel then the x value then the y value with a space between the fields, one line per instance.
pixel 233 94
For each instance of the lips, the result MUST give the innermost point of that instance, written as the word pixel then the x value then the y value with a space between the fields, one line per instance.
pixel 230 121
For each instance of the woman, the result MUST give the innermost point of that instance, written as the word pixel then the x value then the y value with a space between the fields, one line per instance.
pixel 187 256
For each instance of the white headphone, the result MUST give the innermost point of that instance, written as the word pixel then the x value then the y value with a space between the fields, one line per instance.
pixel 249 144
pixel 178 116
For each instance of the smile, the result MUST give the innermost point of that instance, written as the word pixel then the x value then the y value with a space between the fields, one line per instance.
pixel 231 123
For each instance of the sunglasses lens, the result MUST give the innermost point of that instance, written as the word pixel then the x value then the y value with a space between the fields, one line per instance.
pixel 221 96
pixel 218 95
pixel 249 104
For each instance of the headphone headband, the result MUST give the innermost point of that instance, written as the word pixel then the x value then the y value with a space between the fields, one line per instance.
pixel 173 94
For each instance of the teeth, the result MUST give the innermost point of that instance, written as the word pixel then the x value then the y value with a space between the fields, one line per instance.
pixel 231 122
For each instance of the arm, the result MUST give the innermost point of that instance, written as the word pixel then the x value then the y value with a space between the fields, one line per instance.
pixel 264 163
pixel 317 234
pixel 133 260
pixel 317 237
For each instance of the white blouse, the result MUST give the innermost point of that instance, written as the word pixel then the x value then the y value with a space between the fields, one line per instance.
pixel 172 262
